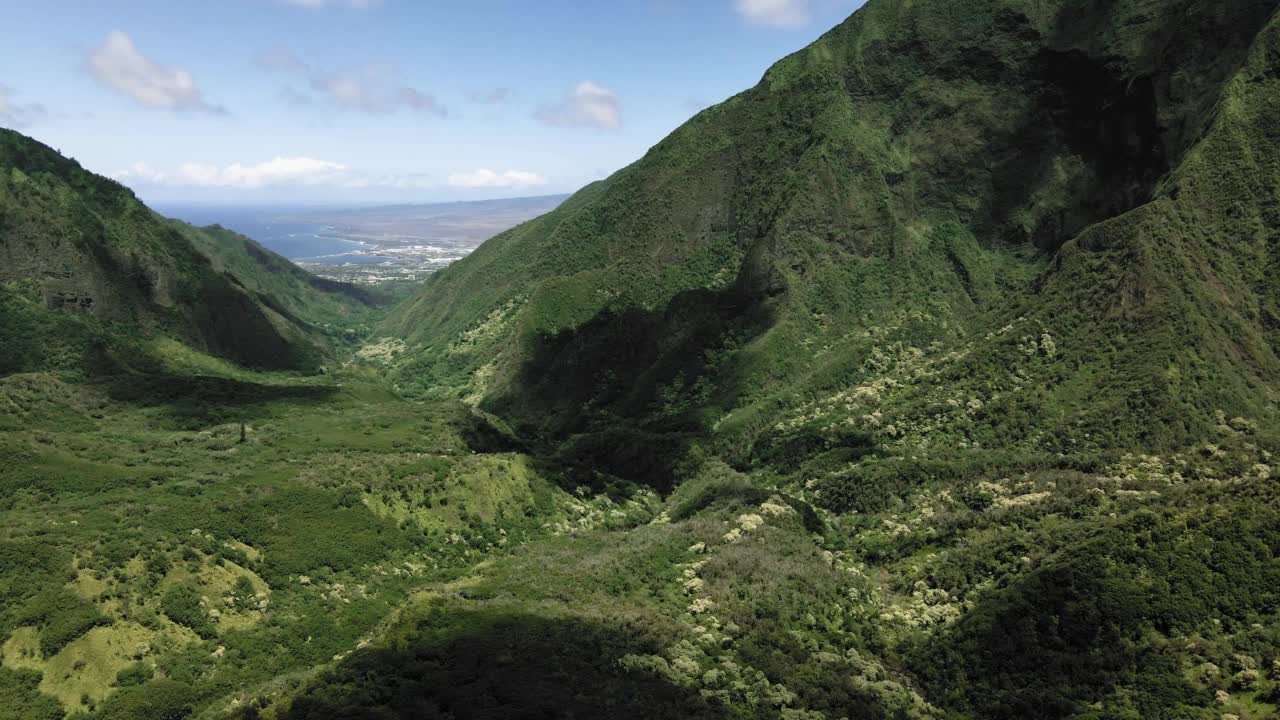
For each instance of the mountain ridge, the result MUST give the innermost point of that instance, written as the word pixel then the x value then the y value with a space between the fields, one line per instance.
pixel 935 378
pixel 929 170
pixel 82 245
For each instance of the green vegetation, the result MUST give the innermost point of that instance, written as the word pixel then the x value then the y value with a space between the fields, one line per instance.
pixel 88 274
pixel 146 543
pixel 182 604
pixel 62 616
pixel 932 378
pixel 1001 203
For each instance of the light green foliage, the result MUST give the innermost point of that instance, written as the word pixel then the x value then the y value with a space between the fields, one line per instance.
pixel 283 550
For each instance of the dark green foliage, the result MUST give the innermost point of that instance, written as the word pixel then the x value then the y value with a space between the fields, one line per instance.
pixel 877 484
pixel 62 617
pixel 134 675
pixel 55 474
pixel 1067 634
pixel 496 664
pixel 27 572
pixel 182 604
pixel 193 402
pixel 156 700
pixel 301 530
pixel 21 700
pixel 648 458
pixel 36 339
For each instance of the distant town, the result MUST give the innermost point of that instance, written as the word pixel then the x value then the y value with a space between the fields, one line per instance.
pixel 395 244
pixel 410 263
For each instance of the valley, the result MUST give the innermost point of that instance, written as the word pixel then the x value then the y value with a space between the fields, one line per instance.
pixel 935 377
pixel 253 545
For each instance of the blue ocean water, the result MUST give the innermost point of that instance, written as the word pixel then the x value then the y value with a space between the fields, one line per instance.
pixel 273 228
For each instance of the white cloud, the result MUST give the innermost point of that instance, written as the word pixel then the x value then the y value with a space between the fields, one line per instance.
pixel 140 171
pixel 348 90
pixel 489 179
pixel 589 105
pixel 280 171
pixel 368 88
pixel 19 115
pixel 120 66
pixel 775 13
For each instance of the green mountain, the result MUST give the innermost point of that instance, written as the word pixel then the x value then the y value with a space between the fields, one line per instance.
pixel 1045 227
pixel 86 269
pixel 932 379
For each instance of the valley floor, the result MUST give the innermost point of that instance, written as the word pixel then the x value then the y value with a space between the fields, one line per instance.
pixel 235 544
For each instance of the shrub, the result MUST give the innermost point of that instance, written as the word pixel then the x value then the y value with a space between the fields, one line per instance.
pixel 21 699
pixel 134 675
pixel 62 617
pixel 156 700
pixel 182 605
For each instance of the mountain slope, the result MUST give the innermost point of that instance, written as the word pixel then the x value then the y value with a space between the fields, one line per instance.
pixel 81 258
pixel 1063 212
pixel 303 298
pixel 950 348
pixel 978 300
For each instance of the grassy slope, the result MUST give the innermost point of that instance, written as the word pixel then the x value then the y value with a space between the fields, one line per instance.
pixel 142 532
pixel 86 265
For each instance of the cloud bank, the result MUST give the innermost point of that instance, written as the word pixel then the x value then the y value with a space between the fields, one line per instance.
pixel 279 172
pixel 496 96
pixel 484 178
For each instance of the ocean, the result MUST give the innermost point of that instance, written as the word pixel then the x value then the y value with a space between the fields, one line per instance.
pixel 277 229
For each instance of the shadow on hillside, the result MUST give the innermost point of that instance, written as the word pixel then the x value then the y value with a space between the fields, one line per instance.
pixel 486 664
pixel 193 402
pixel 1059 640
pixel 623 394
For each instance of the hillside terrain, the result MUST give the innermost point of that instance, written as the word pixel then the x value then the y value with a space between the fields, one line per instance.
pixel 86 269
pixel 935 377
pixel 923 176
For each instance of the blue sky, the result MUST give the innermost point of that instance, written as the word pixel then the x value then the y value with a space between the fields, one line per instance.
pixel 371 101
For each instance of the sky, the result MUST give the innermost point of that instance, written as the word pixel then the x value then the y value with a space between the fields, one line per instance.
pixel 269 102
